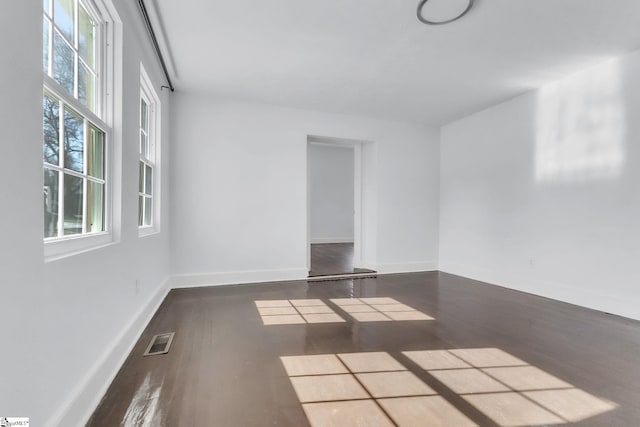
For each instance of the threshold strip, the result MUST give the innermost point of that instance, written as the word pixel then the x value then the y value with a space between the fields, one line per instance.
pixel 345 276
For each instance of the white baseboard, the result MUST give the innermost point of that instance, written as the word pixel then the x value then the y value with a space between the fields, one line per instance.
pixel 86 396
pixel 407 267
pixel 237 277
pixel 600 301
pixel 316 240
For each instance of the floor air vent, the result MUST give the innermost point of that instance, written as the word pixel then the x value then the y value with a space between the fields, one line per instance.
pixel 159 344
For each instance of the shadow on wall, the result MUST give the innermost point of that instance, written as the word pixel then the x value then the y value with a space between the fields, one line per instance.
pixel 581 127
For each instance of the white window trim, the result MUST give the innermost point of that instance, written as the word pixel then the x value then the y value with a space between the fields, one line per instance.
pixel 76 244
pixel 154 115
pixel 109 59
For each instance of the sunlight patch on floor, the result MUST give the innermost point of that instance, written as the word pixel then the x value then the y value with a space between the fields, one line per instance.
pixel 508 390
pixel 378 309
pixel 300 311
pixel 376 389
pixel 366 389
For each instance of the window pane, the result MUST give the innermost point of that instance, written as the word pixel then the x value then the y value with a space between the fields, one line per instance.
pixel 86 86
pixel 141 179
pixel 95 207
pixel 73 197
pixel 63 15
pixel 51 186
pixel 73 141
pixel 45 7
pixel 86 32
pixel 95 152
pixel 148 178
pixel 45 45
pixel 147 211
pixel 140 210
pixel 143 144
pixel 63 58
pixel 51 119
pixel 144 117
pixel 144 128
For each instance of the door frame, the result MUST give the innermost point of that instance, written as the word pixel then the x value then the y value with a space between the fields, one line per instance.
pixel 360 224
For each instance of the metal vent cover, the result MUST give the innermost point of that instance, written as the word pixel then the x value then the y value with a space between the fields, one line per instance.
pixel 159 344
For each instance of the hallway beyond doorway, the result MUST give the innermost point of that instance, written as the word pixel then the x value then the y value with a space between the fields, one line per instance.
pixel 333 258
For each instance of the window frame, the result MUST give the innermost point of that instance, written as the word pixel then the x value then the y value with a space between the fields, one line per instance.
pixel 154 116
pixel 106 19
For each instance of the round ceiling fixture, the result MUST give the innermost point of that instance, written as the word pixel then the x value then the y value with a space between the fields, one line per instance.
pixel 440 12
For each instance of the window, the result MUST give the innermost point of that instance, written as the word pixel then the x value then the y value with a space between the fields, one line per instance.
pixel 148 194
pixel 145 190
pixel 75 130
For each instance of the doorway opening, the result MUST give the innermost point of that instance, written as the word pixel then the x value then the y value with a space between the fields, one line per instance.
pixel 335 207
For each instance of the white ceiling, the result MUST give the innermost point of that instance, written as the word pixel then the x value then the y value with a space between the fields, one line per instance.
pixel 374 58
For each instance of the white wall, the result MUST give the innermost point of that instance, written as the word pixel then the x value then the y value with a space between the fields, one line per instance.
pixel 542 194
pixel 331 178
pixel 66 325
pixel 240 202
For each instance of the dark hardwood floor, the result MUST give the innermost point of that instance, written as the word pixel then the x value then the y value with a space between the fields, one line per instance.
pixel 224 367
pixel 333 258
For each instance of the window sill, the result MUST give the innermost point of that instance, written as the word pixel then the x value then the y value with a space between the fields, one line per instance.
pixel 74 245
pixel 147 231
